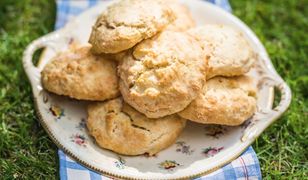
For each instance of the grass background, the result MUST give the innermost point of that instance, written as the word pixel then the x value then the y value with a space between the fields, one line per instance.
pixel 26 152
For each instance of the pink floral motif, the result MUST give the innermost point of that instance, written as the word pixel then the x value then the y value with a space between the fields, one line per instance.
pixel 79 139
pixel 211 151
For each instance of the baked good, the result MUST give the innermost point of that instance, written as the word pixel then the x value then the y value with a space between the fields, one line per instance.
pixel 224 101
pixel 163 74
pixel 184 19
pixel 118 127
pixel 229 52
pixel 79 74
pixel 127 22
pixel 117 56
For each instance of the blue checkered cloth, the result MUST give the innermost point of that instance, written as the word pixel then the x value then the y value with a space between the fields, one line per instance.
pixel 244 167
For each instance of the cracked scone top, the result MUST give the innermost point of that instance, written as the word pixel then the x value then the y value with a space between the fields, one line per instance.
pixel 229 52
pixel 183 20
pixel 118 127
pixel 79 74
pixel 127 22
pixel 162 75
pixel 225 101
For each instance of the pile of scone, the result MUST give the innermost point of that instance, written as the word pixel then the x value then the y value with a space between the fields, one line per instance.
pixel 149 69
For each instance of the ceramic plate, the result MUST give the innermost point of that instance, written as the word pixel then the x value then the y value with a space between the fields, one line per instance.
pixel 199 150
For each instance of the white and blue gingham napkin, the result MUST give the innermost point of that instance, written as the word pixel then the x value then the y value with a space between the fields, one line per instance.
pixel 244 167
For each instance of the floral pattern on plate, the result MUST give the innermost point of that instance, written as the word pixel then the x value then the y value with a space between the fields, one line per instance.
pixel 168 165
pixel 120 163
pixel 82 124
pixel 182 147
pixel 215 131
pixel 57 111
pixel 211 151
pixel 79 140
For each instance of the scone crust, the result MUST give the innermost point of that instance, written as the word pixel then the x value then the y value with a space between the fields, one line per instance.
pixel 128 22
pixel 229 52
pixel 81 75
pixel 118 127
pixel 184 19
pixel 163 74
pixel 224 101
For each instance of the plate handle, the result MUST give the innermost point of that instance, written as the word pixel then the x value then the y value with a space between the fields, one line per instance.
pixel 252 131
pixel 286 97
pixel 32 71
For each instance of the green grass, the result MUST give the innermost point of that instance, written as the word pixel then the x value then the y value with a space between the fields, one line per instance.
pixel 26 152
pixel 282 27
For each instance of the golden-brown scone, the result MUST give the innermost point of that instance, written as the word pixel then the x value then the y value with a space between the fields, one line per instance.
pixel 184 19
pixel 225 101
pixel 183 22
pixel 229 52
pixel 127 22
pixel 118 127
pixel 163 74
pixel 79 74
pixel 117 56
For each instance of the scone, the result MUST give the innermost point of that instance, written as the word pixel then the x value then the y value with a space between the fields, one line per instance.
pixel 118 127
pixel 79 74
pixel 118 56
pixel 228 51
pixel 224 101
pixel 163 74
pixel 184 19
pixel 127 22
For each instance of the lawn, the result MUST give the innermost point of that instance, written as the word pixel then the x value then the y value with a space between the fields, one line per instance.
pixel 26 152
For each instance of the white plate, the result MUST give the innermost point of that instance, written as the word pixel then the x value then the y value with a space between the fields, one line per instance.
pixel 199 150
